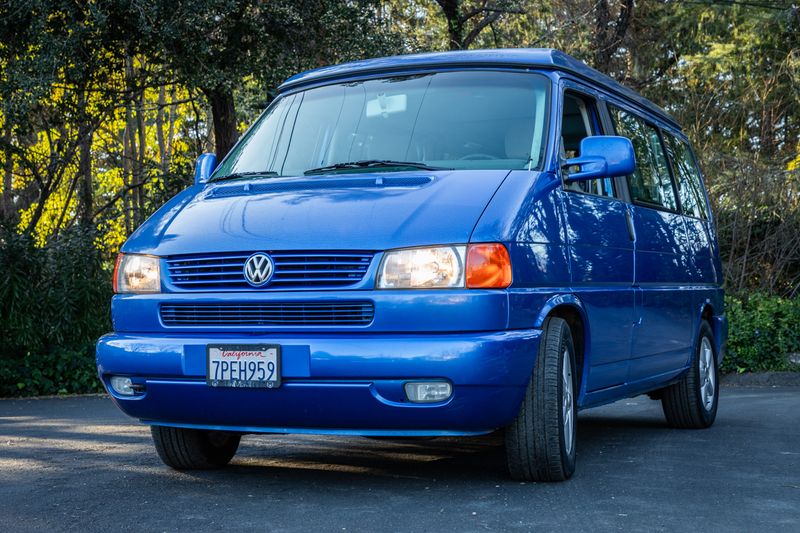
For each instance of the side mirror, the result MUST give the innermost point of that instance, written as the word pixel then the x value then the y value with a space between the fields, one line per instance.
pixel 603 156
pixel 205 166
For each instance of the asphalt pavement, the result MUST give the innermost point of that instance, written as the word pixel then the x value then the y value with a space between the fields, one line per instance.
pixel 78 464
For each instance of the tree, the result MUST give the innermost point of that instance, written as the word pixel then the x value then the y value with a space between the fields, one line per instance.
pixel 215 45
pixel 60 84
pixel 212 45
pixel 467 19
pixel 609 30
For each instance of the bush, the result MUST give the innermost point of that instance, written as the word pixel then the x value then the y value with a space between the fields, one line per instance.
pixel 762 331
pixel 59 372
pixel 54 304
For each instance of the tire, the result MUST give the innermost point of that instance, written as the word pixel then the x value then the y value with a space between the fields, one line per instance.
pixel 692 402
pixel 540 442
pixel 194 449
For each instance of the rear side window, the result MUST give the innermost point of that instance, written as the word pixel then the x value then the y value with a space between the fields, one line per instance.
pixel 684 168
pixel 580 120
pixel 650 184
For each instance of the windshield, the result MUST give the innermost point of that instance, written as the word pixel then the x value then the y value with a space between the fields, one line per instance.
pixel 454 120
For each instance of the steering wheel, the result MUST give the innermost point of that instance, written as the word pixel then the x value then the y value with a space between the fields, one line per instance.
pixel 477 156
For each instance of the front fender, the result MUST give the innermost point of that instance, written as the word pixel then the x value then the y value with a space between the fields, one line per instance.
pixel 562 300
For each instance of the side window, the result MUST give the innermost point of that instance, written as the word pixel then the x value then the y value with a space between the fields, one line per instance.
pixel 650 183
pixel 684 168
pixel 580 120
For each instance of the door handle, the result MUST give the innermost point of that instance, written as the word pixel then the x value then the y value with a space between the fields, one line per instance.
pixel 629 221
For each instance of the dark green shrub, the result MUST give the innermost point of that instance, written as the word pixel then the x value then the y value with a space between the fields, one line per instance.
pixel 762 331
pixel 54 304
pixel 58 372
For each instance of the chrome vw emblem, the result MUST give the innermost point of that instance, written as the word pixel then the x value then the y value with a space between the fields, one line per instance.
pixel 258 269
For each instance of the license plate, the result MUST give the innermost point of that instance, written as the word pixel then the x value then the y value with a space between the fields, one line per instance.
pixel 248 365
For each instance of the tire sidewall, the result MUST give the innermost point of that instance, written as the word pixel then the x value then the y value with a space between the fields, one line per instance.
pixel 708 415
pixel 568 459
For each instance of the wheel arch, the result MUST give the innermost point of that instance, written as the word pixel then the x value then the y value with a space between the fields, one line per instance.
pixel 719 327
pixel 569 307
pixel 706 314
pixel 707 310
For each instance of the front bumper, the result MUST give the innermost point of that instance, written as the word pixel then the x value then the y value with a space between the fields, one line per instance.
pixel 342 383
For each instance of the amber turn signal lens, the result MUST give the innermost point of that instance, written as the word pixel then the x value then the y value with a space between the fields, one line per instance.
pixel 115 279
pixel 488 266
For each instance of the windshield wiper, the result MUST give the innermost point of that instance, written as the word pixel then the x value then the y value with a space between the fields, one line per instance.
pixel 372 163
pixel 242 175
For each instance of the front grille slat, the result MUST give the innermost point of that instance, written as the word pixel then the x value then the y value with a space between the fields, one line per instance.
pixel 262 312
pixel 213 266
pixel 294 269
pixel 317 279
pixel 279 255
pixel 337 263
pixel 180 282
pixel 323 273
pixel 210 262
pixel 345 313
pixel 184 273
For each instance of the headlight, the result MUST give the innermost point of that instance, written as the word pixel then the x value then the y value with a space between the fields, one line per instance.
pixel 422 268
pixel 137 273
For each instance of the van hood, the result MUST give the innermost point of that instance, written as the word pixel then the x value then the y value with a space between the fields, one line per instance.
pixel 364 211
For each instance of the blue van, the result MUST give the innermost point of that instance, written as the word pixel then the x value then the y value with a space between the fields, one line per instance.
pixel 425 245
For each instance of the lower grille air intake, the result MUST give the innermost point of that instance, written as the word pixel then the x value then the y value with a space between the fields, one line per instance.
pixel 340 313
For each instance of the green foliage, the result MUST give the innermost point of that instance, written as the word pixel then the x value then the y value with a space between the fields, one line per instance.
pixel 57 372
pixel 54 304
pixel 763 329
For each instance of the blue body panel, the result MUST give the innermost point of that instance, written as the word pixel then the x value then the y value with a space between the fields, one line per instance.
pixel 639 280
pixel 396 311
pixel 602 265
pixel 663 335
pixel 342 212
pixel 331 382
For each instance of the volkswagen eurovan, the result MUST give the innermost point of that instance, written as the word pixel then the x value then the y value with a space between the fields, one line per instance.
pixel 425 245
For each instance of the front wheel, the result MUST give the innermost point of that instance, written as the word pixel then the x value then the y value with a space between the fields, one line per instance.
pixel 194 449
pixel 540 442
pixel 692 402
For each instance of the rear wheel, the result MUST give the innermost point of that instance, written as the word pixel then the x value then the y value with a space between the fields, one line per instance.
pixel 540 443
pixel 194 449
pixel 692 402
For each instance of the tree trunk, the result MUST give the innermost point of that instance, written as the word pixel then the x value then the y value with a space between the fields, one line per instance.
pixel 223 111
pixel 600 38
pixel 162 143
pixel 141 164
pixel 129 171
pixel 7 211
pixel 85 134
pixel 455 25
pixel 127 158
pixel 607 38
pixel 170 128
